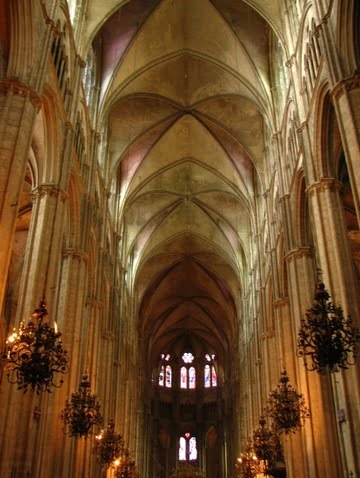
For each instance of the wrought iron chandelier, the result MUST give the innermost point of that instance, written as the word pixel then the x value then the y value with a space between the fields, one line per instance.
pixel 286 406
pixel 247 465
pixel 326 336
pixel 109 445
pixel 124 466
pixel 266 444
pixel 82 412
pixel 34 354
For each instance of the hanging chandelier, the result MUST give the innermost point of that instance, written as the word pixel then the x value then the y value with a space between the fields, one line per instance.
pixel 326 337
pixel 124 466
pixel 34 354
pixel 109 445
pixel 266 444
pixel 286 406
pixel 82 412
pixel 247 465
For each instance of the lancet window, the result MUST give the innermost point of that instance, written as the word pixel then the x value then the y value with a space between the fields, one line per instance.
pixel 188 448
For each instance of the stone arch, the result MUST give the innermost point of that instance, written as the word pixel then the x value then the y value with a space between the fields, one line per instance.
pixel 73 210
pixel 19 247
pixel 92 267
pixel 22 15
pixel 308 65
pixel 326 134
pixel 48 131
pixel 348 34
pixel 283 275
pixel 303 226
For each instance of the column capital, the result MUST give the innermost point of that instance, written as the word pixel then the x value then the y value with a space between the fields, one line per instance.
pixel 12 86
pixel 97 135
pixel 48 190
pixel 89 198
pixel 76 254
pixel 290 62
pixel 324 183
pixel 284 197
pixel 303 125
pixel 96 304
pixel 282 302
pixel 347 84
pixel 302 251
pixel 108 335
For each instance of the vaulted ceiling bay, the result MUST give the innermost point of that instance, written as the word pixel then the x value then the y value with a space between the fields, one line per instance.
pixel 186 95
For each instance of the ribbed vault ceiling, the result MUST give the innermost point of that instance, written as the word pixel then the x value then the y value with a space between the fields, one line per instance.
pixel 185 93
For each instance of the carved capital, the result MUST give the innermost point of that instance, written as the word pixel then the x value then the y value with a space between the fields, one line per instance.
pixel 289 63
pixel 12 86
pixel 80 61
pixel 268 334
pixel 103 250
pixel 284 198
pixel 76 254
pixel 48 190
pixel 302 127
pixel 284 301
pixel 95 304
pixel 299 252
pixel 347 84
pixel 97 136
pixel 69 126
pixel 89 198
pixel 324 184
pixel 108 335
pixel 48 20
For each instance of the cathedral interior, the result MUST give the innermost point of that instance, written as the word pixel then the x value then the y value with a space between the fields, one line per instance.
pixel 179 230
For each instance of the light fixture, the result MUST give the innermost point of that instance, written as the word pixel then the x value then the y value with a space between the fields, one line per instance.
pixel 267 446
pixel 82 412
pixel 124 466
pixel 326 337
pixel 247 465
pixel 266 443
pixel 286 406
pixel 109 445
pixel 34 354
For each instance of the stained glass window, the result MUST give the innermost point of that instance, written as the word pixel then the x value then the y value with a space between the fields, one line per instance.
pixel 188 448
pixel 168 376
pixel 188 357
pixel 182 448
pixel 192 449
pixel 207 381
pixel 213 377
pixel 192 377
pixel 183 377
pixel 161 376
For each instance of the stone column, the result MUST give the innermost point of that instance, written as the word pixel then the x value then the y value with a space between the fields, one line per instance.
pixel 319 439
pixel 346 99
pixel 39 276
pixel 336 261
pixel 61 459
pixel 292 445
pixel 20 101
pixel 19 105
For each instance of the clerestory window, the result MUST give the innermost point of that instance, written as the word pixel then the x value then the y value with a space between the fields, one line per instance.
pixel 210 376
